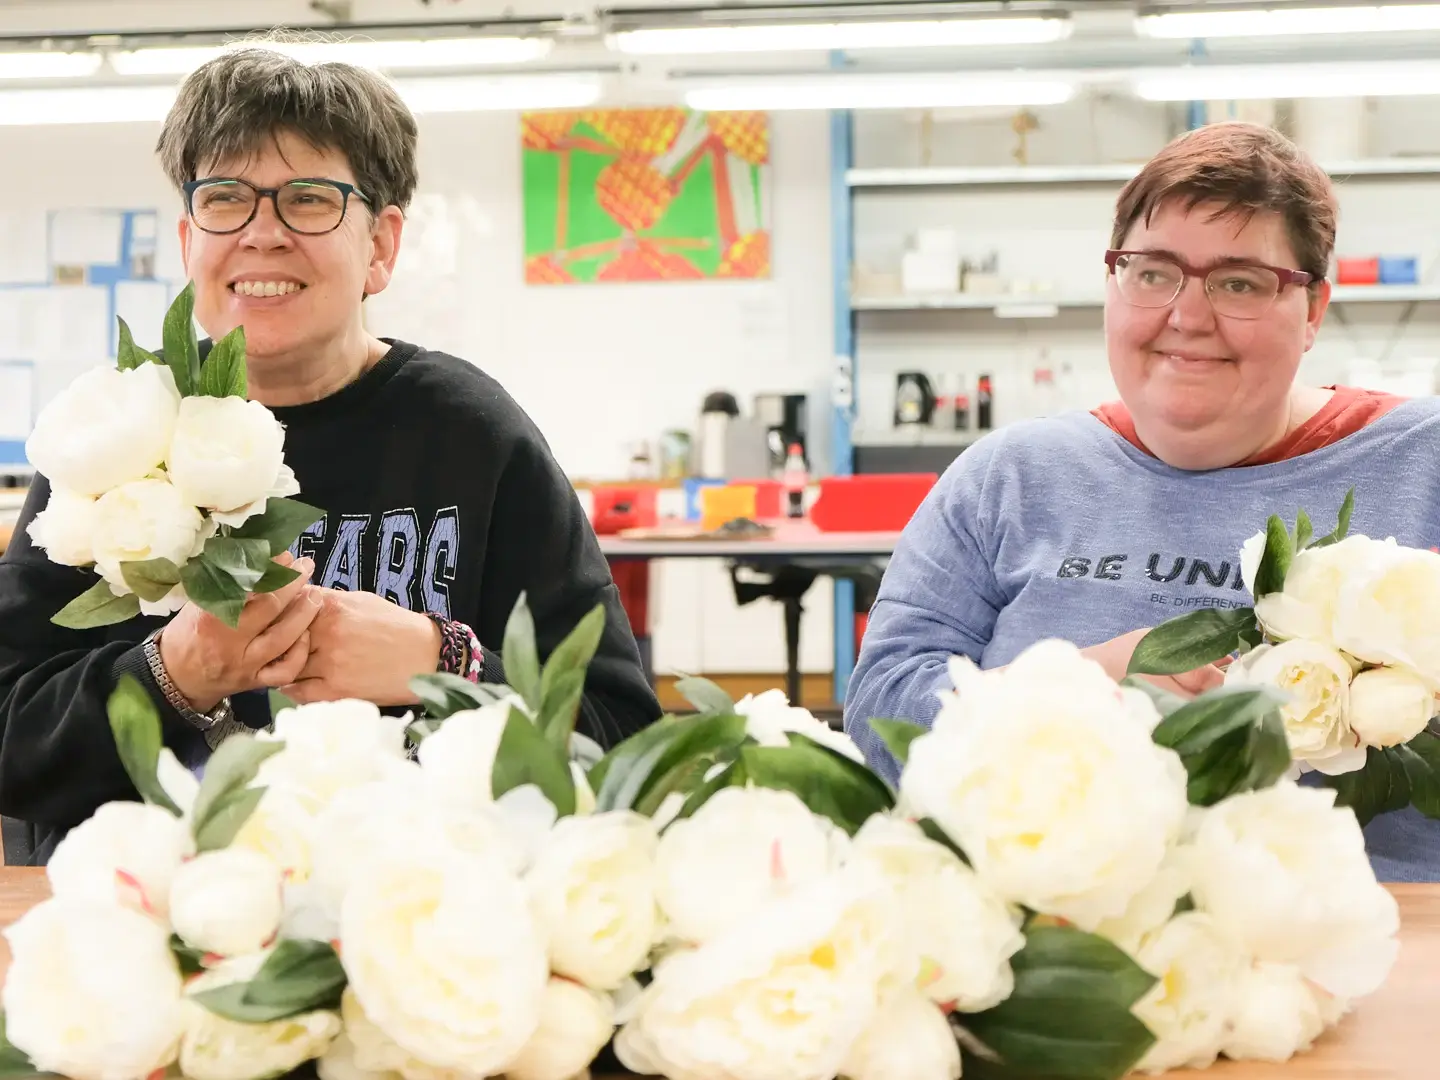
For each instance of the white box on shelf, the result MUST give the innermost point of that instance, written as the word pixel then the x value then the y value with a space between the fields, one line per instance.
pixel 938 242
pixel 925 272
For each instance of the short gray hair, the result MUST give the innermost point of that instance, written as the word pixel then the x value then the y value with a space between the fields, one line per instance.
pixel 233 105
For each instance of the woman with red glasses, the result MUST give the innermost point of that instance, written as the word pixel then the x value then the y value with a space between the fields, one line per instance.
pixel 1094 527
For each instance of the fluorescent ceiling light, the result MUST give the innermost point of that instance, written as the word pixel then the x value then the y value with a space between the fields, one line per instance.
pixel 1276 22
pixel 800 37
pixel 874 92
pixel 48 65
pixel 85 105
pixel 479 93
pixel 1289 81
pixel 388 55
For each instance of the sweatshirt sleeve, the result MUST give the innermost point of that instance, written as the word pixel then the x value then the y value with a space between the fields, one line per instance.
pixel 541 542
pixel 938 599
pixel 58 762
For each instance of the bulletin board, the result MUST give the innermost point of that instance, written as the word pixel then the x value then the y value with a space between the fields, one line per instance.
pixel 614 195
pixel 65 276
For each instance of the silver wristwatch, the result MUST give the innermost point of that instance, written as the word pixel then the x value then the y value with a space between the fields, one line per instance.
pixel 221 715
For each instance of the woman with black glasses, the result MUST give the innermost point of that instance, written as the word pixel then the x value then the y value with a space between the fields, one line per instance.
pixel 442 501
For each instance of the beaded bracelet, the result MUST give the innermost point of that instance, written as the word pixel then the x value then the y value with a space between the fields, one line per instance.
pixel 460 651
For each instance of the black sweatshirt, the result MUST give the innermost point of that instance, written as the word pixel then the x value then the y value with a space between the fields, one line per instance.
pixel 440 493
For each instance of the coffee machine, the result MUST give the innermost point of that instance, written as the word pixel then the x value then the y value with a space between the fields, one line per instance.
pixel 784 418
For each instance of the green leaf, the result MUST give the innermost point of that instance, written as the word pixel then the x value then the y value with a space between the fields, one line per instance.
pixel 584 751
pixel 135 724
pixel 897 735
pixel 646 767
pixel 1304 530
pixel 152 579
pixel 562 682
pixel 97 606
pixel 1421 759
pixel 279 703
pixel 1069 1016
pixel 522 660
pixel 182 350
pixel 1268 751
pixel 706 696
pixel 281 523
pixel 1230 739
pixel 129 355
pixel 299 976
pixel 227 817
pixel 1165 701
pixel 275 578
pixel 190 960
pixel 1342 526
pixel 932 830
pixel 829 783
pixel 443 694
pixel 244 560
pixel 1275 562
pixel 1380 787
pixel 229 772
pixel 1198 723
pixel 732 774
pixel 212 589
pixel 223 374
pixel 1191 641
pixel 420 730
pixel 525 756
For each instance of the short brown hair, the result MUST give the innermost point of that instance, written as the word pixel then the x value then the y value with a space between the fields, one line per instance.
pixel 232 105
pixel 1246 169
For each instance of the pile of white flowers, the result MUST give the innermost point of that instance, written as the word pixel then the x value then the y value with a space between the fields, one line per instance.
pixel 1343 625
pixel 166 481
pixel 1062 875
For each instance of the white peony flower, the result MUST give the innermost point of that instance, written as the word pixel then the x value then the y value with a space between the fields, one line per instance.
pixel 227 902
pixel 177 781
pixel 330 746
pixel 1385 610
pixel 743 847
pixel 216 1048
pixel 785 993
pixel 228 457
pixel 107 428
pixel 1307 606
pixel 1317 679
pixel 1389 706
pixel 459 759
pixel 960 935
pixel 128 851
pixel 364 1052
pixel 1046 776
pixel 66 528
pixel 93 991
pixel 1152 907
pixel 769 717
pixel 281 828
pixel 1277 1014
pixel 592 888
pixel 444 956
pixel 1188 1009
pixel 575 1024
pixel 142 520
pixel 1285 875
pixel 908 1039
pixel 1251 552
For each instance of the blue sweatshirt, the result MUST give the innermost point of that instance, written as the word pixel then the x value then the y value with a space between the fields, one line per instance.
pixel 1061 528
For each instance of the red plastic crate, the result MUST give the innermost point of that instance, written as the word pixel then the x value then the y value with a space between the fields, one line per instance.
pixel 621 507
pixel 878 502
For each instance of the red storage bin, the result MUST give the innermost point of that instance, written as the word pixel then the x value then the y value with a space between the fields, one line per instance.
pixel 1357 271
pixel 879 502
pixel 768 497
pixel 617 507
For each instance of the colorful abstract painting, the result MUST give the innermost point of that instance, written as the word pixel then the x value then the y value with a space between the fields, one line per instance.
pixel 646 195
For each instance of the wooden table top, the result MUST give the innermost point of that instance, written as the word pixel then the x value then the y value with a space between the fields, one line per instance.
pixel 1391 1036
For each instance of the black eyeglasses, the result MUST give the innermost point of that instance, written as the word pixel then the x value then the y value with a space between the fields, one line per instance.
pixel 310 206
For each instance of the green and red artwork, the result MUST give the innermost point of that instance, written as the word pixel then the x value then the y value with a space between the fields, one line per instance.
pixel 645 195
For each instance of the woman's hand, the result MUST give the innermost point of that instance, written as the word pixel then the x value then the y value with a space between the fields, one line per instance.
pixel 363 646
pixel 1114 656
pixel 208 661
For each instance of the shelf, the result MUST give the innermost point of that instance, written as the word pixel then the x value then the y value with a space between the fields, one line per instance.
pixel 916 436
pixel 1004 175
pixel 1039 307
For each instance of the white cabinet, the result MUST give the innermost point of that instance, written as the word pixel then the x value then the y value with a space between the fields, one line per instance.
pixel 696 625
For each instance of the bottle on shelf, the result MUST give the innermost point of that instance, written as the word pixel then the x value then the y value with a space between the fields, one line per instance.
pixel 795 478
pixel 984 400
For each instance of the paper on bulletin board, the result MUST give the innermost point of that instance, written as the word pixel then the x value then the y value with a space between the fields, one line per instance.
pixel 17 400
pixel 22 249
pixel 73 325
pixel 21 317
pixel 85 238
pixel 142 304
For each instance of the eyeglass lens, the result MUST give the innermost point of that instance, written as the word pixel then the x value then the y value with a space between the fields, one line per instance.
pixel 307 206
pixel 1242 292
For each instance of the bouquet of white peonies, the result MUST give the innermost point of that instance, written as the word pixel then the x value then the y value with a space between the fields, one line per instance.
pixel 166 481
pixel 1345 626
pixel 1068 880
